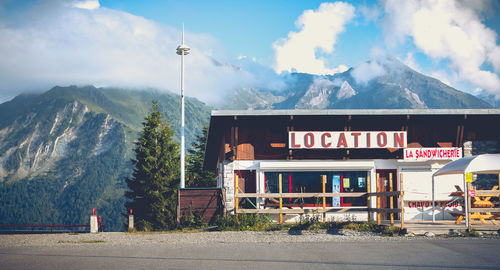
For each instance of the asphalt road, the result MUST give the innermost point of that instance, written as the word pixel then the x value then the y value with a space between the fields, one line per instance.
pixel 377 254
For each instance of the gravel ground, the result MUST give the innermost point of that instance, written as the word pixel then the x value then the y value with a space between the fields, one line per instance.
pixel 201 238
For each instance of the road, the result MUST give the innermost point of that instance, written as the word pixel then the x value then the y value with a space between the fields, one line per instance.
pixel 376 254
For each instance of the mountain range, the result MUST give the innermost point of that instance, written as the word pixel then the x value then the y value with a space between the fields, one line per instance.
pixel 68 150
pixel 392 85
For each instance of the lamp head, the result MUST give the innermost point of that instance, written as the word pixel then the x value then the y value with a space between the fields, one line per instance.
pixel 183 48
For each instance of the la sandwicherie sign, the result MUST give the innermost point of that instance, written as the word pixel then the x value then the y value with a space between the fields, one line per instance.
pixel 346 139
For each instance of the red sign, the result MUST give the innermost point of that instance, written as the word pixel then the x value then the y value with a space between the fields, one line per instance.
pixel 472 193
pixel 427 204
pixel 346 140
pixel 422 154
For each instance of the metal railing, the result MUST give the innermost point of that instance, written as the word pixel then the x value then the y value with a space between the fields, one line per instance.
pixel 53 228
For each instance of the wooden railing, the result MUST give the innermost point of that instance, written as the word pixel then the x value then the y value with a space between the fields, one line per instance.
pixel 323 209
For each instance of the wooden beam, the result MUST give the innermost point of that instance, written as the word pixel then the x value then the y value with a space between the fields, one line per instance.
pixel 236 200
pixel 368 199
pixel 336 210
pixel 271 211
pixel 461 142
pixel 401 201
pixel 386 193
pixel 385 210
pixel 391 202
pixel 378 199
pixel 324 198
pixel 236 129
pixel 484 210
pixel 492 193
pixel 469 200
pixel 305 211
pixel 281 199
pixel 301 195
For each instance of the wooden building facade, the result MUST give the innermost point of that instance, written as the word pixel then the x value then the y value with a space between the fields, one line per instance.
pixel 257 151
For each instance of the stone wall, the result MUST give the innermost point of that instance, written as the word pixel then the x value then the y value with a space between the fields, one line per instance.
pixel 481 147
pixel 228 185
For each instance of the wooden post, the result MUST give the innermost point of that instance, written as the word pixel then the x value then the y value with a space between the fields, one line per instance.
pixel 281 199
pixel 378 199
pixel 236 200
pixel 469 187
pixel 368 197
pixel 178 206
pixel 391 198
pixel 402 202
pixel 324 198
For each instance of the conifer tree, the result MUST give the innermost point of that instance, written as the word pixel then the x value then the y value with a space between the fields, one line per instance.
pixel 196 176
pixel 155 178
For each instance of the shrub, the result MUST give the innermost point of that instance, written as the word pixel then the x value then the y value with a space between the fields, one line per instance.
pixel 244 222
pixel 194 220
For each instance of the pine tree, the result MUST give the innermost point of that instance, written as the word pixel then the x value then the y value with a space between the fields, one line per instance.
pixel 196 176
pixel 155 179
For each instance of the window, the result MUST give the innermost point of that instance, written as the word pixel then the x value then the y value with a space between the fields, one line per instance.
pixel 309 182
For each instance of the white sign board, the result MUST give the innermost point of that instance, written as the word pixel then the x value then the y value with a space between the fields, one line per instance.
pixel 346 139
pixel 423 154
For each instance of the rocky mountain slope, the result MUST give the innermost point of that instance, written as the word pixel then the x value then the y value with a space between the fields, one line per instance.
pixel 392 85
pixel 67 151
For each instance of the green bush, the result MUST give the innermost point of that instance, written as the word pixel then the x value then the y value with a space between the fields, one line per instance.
pixel 144 226
pixel 194 220
pixel 471 233
pixel 244 222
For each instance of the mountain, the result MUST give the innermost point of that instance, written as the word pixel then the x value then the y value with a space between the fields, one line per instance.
pixel 68 150
pixel 383 83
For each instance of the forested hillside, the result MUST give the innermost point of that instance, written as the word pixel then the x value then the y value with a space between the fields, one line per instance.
pixel 68 150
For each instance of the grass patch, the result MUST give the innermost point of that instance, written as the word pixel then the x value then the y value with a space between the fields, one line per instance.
pixel 80 242
pixel 259 222
pixel 245 222
pixel 471 233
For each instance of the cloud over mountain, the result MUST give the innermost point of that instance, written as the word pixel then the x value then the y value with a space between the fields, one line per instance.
pixel 449 30
pixel 318 30
pixel 63 43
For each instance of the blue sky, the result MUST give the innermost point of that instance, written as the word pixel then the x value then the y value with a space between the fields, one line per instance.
pixel 132 43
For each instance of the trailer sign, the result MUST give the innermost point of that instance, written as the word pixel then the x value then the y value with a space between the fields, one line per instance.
pixel 346 140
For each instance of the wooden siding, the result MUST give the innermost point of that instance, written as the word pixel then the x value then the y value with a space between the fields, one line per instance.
pixel 204 202
pixel 250 138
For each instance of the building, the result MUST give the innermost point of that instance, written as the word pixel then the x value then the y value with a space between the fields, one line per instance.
pixel 357 151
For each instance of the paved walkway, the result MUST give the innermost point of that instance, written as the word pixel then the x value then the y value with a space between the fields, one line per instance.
pixel 244 250
pixel 445 226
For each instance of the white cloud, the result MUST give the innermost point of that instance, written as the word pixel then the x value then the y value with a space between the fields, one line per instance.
pixel 55 43
pixel 443 77
pixel 410 62
pixel 367 71
pixel 380 63
pixel 369 13
pixel 450 30
pixel 318 30
pixel 87 4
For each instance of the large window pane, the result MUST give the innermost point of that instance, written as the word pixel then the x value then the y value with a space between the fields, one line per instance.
pixel 312 182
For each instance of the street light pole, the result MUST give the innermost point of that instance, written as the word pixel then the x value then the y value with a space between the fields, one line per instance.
pixel 182 50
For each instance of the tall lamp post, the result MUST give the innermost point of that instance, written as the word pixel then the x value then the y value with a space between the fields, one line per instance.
pixel 182 50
